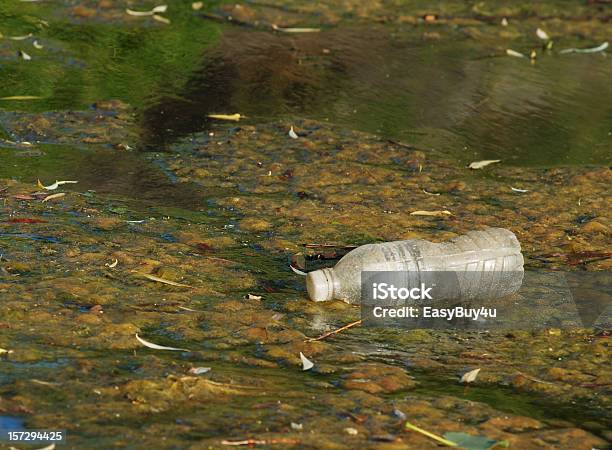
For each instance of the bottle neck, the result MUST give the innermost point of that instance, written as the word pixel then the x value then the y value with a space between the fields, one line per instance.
pixel 321 284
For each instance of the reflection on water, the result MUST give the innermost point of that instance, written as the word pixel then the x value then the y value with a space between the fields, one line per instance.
pixel 449 95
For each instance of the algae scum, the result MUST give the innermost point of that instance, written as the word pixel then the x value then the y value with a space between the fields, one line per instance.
pixel 181 228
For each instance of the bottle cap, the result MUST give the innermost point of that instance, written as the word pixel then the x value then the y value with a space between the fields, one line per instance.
pixel 320 285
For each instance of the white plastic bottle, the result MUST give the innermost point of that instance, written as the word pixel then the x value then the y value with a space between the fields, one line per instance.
pixel 495 253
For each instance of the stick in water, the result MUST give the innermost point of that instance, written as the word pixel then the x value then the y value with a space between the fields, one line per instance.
pixel 345 327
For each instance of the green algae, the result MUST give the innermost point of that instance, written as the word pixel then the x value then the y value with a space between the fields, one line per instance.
pixel 223 207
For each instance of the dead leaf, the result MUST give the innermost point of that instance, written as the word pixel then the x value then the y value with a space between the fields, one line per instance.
pixel 157 9
pixel 432 213
pixel 55 185
pixel 161 19
pixel 599 48
pixel 159 347
pixel 295 30
pixel 53 196
pixel 113 264
pixel 469 377
pixel 199 370
pixel 542 34
pixel 162 280
pixel 21 97
pixel 292 133
pixel 480 164
pixel 306 363
pixel 234 117
pixel 514 53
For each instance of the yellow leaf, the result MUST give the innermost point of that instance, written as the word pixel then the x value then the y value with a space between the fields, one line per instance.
pixel 54 196
pixel 21 97
pixel 235 117
pixel 432 213
pixel 162 280
pixel 480 164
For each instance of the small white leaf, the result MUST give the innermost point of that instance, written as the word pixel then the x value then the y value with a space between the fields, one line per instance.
pixel 542 34
pixel 295 30
pixel 161 19
pixel 514 53
pixel 53 196
pixel 470 377
pixel 20 38
pixel 431 213
pixel 297 426
pixel 55 185
pixel 599 48
pixel 504 22
pixel 351 431
pixel 480 164
pixel 299 272
pixel 292 133
pixel 306 363
pixel 113 264
pixel 519 190
pixel 253 297
pixel 37 45
pixel 196 6
pixel 234 117
pixel 159 347
pixel 24 56
pixel 199 370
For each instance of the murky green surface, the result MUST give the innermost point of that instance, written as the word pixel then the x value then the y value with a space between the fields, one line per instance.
pixel 389 106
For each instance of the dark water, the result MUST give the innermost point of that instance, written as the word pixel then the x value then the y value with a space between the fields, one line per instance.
pixel 454 93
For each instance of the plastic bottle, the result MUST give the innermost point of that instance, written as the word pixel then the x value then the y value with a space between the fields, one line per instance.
pixel 495 253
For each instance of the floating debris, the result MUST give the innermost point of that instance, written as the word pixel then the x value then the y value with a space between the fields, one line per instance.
pixel 252 442
pixel 306 363
pixel 53 196
pixel 234 117
pixel 435 437
pixel 253 297
pixel 299 272
pixel 519 190
pixel 113 264
pixel 480 164
pixel 23 55
pixel 55 185
pixel 514 53
pixel 21 97
pixel 20 38
pixel 161 19
pixel 152 12
pixel 542 34
pixel 336 331
pixel 599 48
pixel 37 45
pixel 430 193
pixel 295 30
pixel 159 347
pixel 469 377
pixel 199 370
pixel 432 213
pixel 292 133
pixel 162 280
